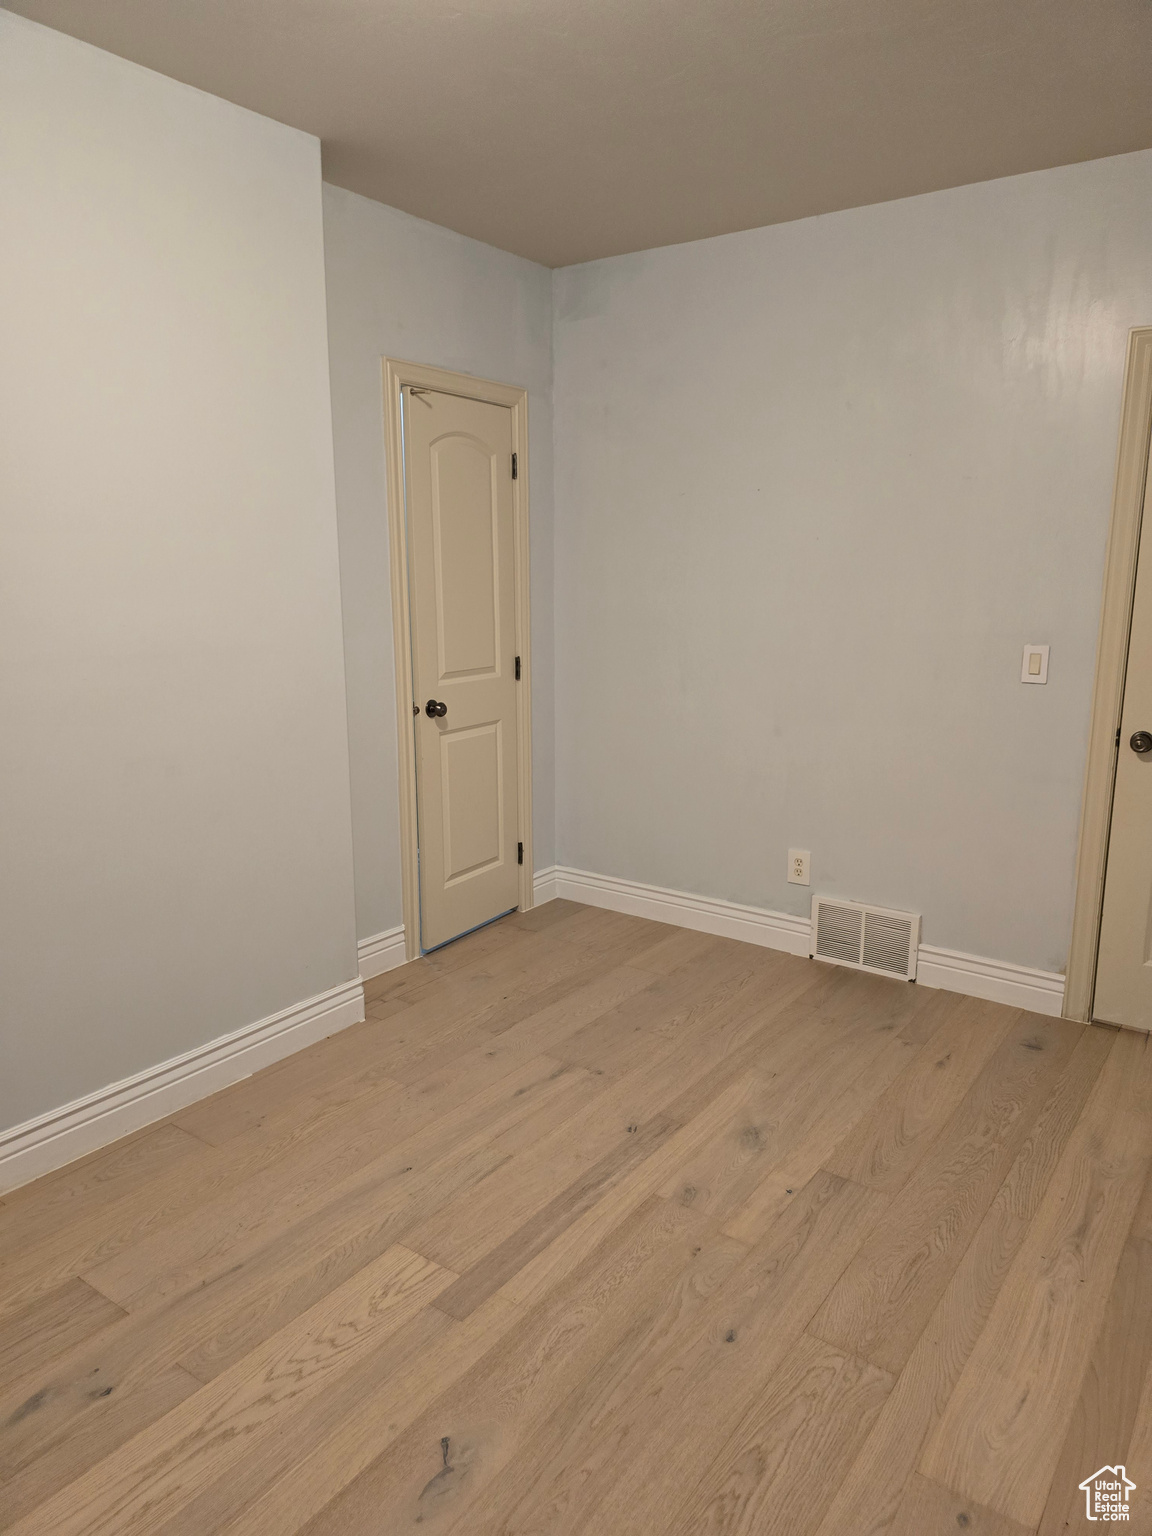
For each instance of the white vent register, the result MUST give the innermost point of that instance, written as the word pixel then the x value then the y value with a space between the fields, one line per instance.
pixel 866 938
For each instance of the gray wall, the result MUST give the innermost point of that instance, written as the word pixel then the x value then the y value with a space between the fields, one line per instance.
pixel 398 287
pixel 816 486
pixel 175 839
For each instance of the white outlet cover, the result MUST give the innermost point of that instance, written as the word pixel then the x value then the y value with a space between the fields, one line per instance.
pixel 799 860
pixel 1029 672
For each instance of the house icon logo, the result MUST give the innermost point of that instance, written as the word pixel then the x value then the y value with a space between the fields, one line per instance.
pixel 1106 1494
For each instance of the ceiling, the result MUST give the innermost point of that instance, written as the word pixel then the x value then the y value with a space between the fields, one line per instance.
pixel 570 129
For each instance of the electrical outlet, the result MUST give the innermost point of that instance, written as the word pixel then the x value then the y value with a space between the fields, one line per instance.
pixel 798 866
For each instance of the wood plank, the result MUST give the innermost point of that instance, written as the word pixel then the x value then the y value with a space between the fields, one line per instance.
pixel 766 1120
pixel 545 1027
pixel 732 1011
pixel 727 982
pixel 672 1412
pixel 730 1027
pixel 751 1207
pixel 717 1040
pixel 481 1054
pixel 187 1253
pixel 1138 1463
pixel 494 946
pixel 827 1101
pixel 296 1272
pixel 52 1464
pixel 758 1314
pixel 333 1453
pixel 561 1441
pixel 882 1302
pixel 781 1464
pixel 570 1246
pixel 92 1395
pixel 53 1324
pixel 705 1124
pixel 384 1007
pixel 619 1040
pixel 890 1141
pixel 545 915
pixel 783 1030
pixel 421 1035
pixel 594 927
pixel 684 946
pixel 379 987
pixel 37 1210
pixel 1101 1427
pixel 819 1081
pixel 306 1078
pixel 485 984
pixel 870 1495
pixel 98 1236
pixel 1001 1435
pixel 154 1475
pixel 464 1230
pixel 488 1411
pixel 928 1509
pixel 395 988
pixel 356 1225
pixel 1142 1221
pixel 408 1354
pixel 459 976
pixel 501 1263
pixel 73 1419
pixel 460 1234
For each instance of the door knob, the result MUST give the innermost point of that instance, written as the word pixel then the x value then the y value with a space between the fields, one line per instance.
pixel 1141 742
pixel 433 710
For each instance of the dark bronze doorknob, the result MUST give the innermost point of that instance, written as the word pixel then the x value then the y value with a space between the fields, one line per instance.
pixel 1141 742
pixel 434 710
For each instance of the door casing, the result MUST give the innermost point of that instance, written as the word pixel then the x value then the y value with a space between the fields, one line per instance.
pixel 422 376
pixel 1111 664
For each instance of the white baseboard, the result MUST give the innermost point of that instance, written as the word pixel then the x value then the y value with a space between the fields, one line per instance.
pixel 998 981
pixel 382 952
pixel 48 1142
pixel 727 919
pixel 544 886
pixel 1021 986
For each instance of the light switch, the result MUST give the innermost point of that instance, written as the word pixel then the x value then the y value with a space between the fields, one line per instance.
pixel 1035 666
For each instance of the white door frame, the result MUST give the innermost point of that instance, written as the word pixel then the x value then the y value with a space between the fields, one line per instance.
pixel 1111 664
pixel 396 376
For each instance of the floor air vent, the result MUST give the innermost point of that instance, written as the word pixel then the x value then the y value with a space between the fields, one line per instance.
pixel 866 938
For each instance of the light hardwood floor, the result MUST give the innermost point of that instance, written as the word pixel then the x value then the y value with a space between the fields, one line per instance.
pixel 599 1226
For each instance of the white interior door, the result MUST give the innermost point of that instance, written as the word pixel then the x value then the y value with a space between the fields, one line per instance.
pixel 1124 964
pixel 461 577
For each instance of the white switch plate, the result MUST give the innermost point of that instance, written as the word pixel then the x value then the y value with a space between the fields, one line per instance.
pixel 1030 672
pixel 798 866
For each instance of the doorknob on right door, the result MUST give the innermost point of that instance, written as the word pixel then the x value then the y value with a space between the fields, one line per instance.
pixel 1141 742
pixel 435 710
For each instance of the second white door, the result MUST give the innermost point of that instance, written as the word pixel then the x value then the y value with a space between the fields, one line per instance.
pixel 461 578
pixel 1124 966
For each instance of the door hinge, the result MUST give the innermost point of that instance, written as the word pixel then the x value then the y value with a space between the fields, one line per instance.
pixel 515 467
pixel 519 853
pixel 517 669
